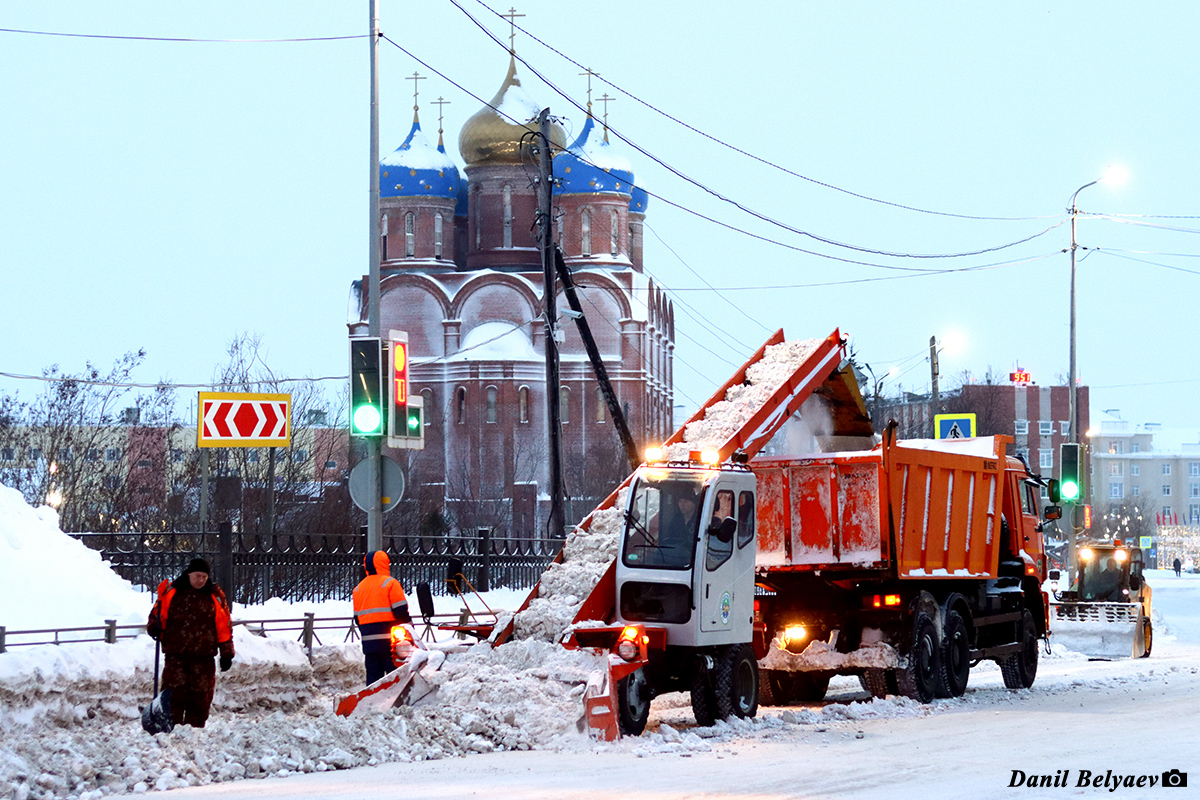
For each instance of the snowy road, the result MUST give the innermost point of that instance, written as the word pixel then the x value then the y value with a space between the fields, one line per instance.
pixel 1133 717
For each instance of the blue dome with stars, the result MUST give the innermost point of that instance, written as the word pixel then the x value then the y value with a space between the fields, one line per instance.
pixel 591 165
pixel 418 169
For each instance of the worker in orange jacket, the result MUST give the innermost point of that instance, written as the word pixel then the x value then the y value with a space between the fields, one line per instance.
pixel 191 618
pixel 379 606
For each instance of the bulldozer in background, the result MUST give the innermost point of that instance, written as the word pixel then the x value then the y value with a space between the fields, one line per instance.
pixel 1106 613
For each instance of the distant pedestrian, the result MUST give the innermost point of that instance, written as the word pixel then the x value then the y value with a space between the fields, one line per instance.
pixel 191 618
pixel 379 606
pixel 1178 565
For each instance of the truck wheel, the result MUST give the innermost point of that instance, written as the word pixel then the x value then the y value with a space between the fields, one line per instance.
pixel 633 703
pixel 1147 636
pixel 1020 669
pixel 810 686
pixel 704 702
pixel 737 682
pixel 920 678
pixel 879 682
pixel 956 657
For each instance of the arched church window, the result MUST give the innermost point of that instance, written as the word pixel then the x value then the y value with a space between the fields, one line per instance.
pixel 410 238
pixel 601 405
pixel 460 405
pixel 491 404
pixel 383 238
pixel 427 401
pixel 437 236
pixel 507 215
pixel 614 234
pixel 523 403
pixel 585 233
pixel 564 404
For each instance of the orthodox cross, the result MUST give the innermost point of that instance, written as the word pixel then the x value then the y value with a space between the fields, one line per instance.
pixel 439 103
pixel 414 78
pixel 589 74
pixel 604 98
pixel 511 16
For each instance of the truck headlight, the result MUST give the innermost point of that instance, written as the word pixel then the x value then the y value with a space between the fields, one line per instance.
pixel 794 637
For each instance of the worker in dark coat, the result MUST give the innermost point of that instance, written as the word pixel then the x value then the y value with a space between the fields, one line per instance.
pixel 1178 567
pixel 191 619
pixel 379 606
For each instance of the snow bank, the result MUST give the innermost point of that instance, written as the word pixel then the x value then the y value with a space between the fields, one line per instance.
pixel 36 557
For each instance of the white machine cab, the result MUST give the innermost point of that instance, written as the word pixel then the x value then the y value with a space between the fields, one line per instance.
pixel 686 562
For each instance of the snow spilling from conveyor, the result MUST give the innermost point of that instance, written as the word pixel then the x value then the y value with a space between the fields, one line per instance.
pixel 566 584
pixel 726 417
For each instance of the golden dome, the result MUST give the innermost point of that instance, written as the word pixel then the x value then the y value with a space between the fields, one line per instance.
pixel 490 137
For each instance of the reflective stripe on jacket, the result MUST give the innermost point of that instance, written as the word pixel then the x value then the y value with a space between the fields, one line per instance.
pixel 379 603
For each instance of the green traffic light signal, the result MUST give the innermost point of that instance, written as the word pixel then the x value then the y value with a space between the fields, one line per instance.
pixel 414 421
pixel 366 387
pixel 1070 478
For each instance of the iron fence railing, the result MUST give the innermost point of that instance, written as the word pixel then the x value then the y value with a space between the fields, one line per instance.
pixel 322 566
pixel 309 627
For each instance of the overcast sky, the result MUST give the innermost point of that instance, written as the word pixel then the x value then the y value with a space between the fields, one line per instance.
pixel 171 195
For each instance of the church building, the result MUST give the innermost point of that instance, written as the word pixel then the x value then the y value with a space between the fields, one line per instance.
pixel 461 274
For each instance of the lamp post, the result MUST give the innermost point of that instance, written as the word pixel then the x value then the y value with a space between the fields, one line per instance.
pixel 1113 175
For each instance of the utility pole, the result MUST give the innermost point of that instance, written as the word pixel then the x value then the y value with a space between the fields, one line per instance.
pixel 549 279
pixel 933 369
pixel 374 444
pixel 1073 526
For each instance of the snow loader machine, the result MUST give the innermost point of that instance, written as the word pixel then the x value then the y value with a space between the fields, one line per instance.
pixel 1106 613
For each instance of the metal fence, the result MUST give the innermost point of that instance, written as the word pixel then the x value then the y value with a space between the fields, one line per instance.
pixel 322 566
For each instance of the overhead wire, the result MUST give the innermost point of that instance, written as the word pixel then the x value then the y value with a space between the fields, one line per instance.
pixel 735 203
pixel 680 206
pixel 184 39
pixel 1106 252
pixel 735 148
pixel 706 283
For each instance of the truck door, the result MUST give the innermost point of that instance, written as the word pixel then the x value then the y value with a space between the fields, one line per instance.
pixel 725 567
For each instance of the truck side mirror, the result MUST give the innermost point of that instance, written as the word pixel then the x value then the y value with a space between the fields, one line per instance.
pixel 1055 491
pixel 1053 512
pixel 723 530
pixel 1135 582
pixel 1054 575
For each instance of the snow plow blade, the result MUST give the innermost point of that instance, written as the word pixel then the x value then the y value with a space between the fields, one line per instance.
pixel 403 685
pixel 1098 630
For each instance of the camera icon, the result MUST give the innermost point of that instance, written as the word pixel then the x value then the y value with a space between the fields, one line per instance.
pixel 1174 778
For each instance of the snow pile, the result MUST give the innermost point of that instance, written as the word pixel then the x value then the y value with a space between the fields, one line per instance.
pixel 824 656
pixel 36 557
pixel 566 584
pixel 726 417
pixel 520 696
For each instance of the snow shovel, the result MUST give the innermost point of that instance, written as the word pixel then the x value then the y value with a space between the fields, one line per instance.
pixel 156 717
pixel 1102 631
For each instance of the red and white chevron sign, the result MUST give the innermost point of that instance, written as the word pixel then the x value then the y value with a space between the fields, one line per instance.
pixel 244 420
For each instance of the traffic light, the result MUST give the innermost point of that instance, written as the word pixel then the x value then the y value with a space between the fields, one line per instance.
pixel 398 375
pixel 1070 481
pixel 366 387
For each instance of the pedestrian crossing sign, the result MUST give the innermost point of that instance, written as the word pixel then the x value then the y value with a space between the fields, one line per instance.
pixel 954 426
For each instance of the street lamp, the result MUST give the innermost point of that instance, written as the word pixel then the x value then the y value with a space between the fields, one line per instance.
pixel 1114 175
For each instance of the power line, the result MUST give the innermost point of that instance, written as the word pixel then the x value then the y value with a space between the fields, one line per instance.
pixel 734 148
pixel 680 206
pixel 706 283
pixel 1105 252
pixel 182 39
pixel 736 204
pixel 1112 218
pixel 166 384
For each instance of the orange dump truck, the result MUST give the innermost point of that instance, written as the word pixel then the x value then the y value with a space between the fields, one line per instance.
pixel 904 565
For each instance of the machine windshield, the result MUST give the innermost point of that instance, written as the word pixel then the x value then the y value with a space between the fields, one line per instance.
pixel 661 525
pixel 1101 578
